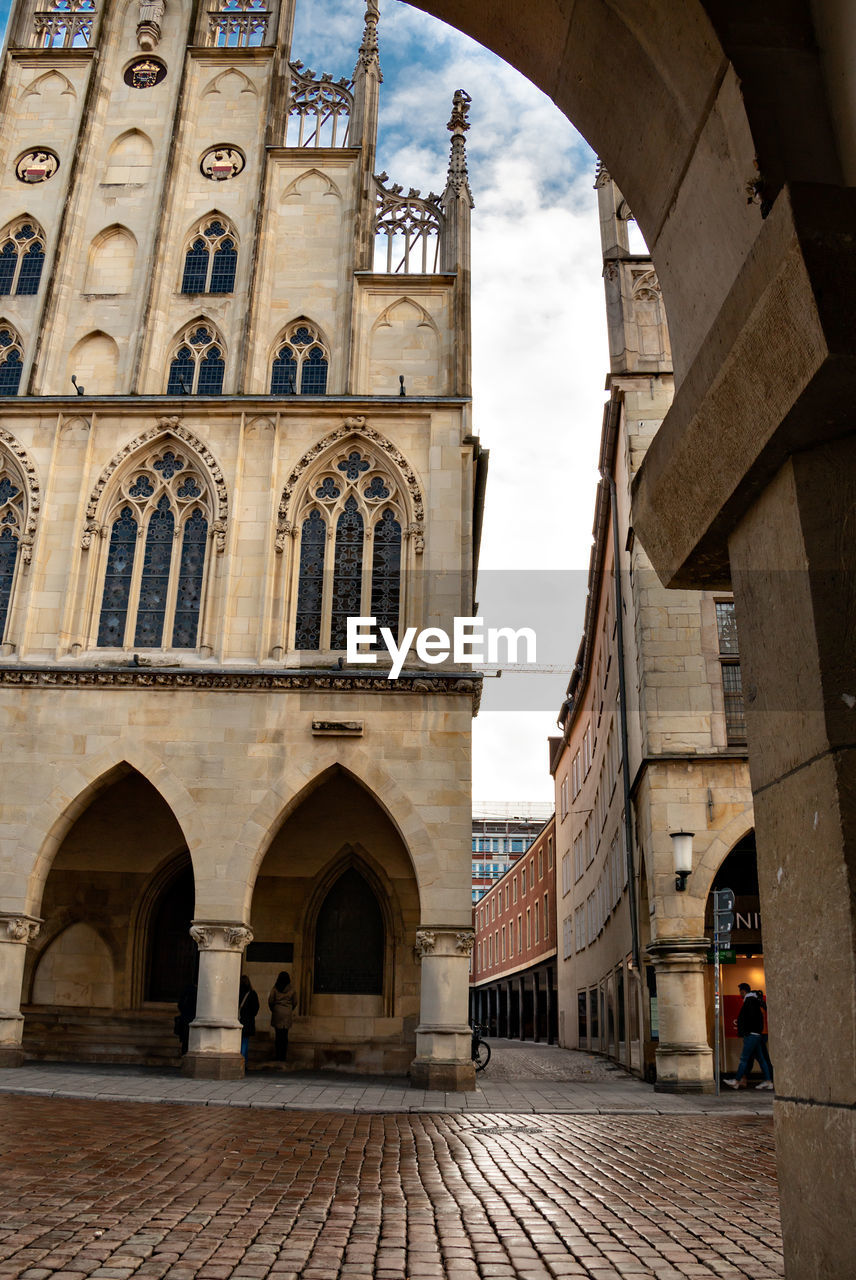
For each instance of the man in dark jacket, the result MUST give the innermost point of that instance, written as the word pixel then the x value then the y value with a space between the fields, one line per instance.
pixel 750 1025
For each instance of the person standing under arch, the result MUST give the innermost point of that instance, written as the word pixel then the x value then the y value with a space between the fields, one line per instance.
pixel 248 1007
pixel 281 1002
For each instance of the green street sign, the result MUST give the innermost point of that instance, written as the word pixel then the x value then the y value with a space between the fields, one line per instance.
pixel 726 956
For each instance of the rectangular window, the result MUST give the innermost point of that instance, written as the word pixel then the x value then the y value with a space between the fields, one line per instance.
pixel 563 798
pixel 519 934
pixel 546 915
pixel 549 853
pixel 566 874
pixel 582 1020
pixel 523 880
pixel 579 866
pixel 591 918
pixel 496 945
pixel 732 679
pixel 576 775
pixel 514 889
pixel 531 873
pixel 537 921
pixel 567 938
pixel 511 939
pixel 586 751
pixel 490 951
pixel 528 927
pixel 493 908
pixel 593 1020
pixel 506 897
pixel 503 941
pixel 540 864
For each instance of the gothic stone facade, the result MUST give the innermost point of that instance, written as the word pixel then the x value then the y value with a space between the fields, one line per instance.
pixel 232 419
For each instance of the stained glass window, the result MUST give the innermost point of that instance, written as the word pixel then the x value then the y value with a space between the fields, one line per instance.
pixel 195 268
pixel 313 540
pixel 211 370
pixel 22 257
pixel 377 489
pixel 181 373
pixel 223 268
pixel 10 374
pixel 353 465
pixel 188 601
pixel 328 489
pixel 347 572
pixel 154 583
pixel 283 377
pixel 301 361
pixel 169 464
pixel 117 580
pixel 313 376
pixel 386 572
pixel 8 556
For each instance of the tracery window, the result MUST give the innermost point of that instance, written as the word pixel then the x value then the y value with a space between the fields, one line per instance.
pixel 11 361
pixel 408 227
pixel 301 361
pixel 65 24
pixel 154 577
pixel 319 109
pixel 351 549
pixel 211 259
pixel 22 256
pixel 198 366
pixel 11 529
pixel 238 24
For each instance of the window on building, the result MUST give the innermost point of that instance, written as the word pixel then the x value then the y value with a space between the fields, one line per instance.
pixel 519 934
pixel 22 256
pixel 732 679
pixel 12 528
pixel 514 889
pixel 582 1020
pixel 300 362
pixel 576 776
pixel 528 927
pixel 567 938
pixel 549 853
pixel 566 874
pixel 506 897
pixel 490 949
pixel 511 940
pixel 357 497
pixel 211 259
pixel 579 862
pixel 153 583
pixel 11 361
pixel 523 880
pixel 63 24
pixel 546 915
pixel 496 944
pixel 503 942
pixel 537 920
pixel 493 908
pixel 531 873
pixel 540 864
pixel 197 367
pixel 563 798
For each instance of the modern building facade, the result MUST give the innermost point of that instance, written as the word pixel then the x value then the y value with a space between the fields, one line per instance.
pixel 653 743
pixel 514 958
pixel 502 832
pixel 236 370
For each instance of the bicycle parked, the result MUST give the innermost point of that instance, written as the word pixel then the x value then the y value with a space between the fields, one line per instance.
pixel 481 1049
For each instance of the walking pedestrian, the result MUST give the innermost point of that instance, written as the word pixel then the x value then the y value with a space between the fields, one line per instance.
pixel 750 1025
pixel 281 1002
pixel 248 1007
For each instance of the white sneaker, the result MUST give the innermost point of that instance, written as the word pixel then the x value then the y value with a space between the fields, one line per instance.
pixel 732 1084
pixel 765 1084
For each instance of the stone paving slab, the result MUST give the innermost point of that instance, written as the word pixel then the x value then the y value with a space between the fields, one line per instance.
pixel 107 1191
pixel 617 1094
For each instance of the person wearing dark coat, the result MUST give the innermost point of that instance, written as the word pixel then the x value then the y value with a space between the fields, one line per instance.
pixel 248 1007
pixel 750 1025
pixel 281 1002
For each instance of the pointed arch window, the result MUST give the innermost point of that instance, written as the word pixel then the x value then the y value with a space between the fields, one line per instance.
pixel 351 549
pixel 211 259
pixel 300 364
pixel 197 367
pixel 155 571
pixel 349 939
pixel 11 361
pixel 11 528
pixel 22 256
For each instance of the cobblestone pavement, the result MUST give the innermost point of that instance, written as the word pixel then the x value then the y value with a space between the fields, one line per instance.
pixel 111 1191
pixel 523 1060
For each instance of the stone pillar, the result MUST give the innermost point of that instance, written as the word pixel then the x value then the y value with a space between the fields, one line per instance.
pixel 15 932
pixel 536 1007
pixel 215 1033
pixel 443 1038
pixel 793 559
pixel 684 1059
pixel 521 1021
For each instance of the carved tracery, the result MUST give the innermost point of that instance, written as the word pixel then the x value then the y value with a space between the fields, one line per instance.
pixel 408 227
pixel 320 108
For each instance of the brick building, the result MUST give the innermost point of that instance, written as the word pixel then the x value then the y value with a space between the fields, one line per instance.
pixel 513 989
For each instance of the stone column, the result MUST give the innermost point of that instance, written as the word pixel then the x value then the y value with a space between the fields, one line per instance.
pixel 548 991
pixel 536 1007
pixel 15 932
pixel 443 1038
pixel 521 1021
pixel 793 559
pixel 215 1033
pixel 684 1059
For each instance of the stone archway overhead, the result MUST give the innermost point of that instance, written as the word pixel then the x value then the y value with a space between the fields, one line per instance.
pixel 166 427
pixel 354 426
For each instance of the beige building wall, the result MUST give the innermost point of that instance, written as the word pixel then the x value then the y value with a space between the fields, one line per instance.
pixel 178 722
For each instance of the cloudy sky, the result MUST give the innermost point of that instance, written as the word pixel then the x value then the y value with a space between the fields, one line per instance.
pixel 539 337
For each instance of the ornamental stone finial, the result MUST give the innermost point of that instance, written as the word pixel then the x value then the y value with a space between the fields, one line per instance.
pixel 368 55
pixel 458 179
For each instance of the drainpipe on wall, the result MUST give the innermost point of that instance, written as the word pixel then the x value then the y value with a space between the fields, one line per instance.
pixel 625 760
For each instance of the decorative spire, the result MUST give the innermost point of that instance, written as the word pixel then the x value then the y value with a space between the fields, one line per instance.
pixel 458 125
pixel 601 175
pixel 368 55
